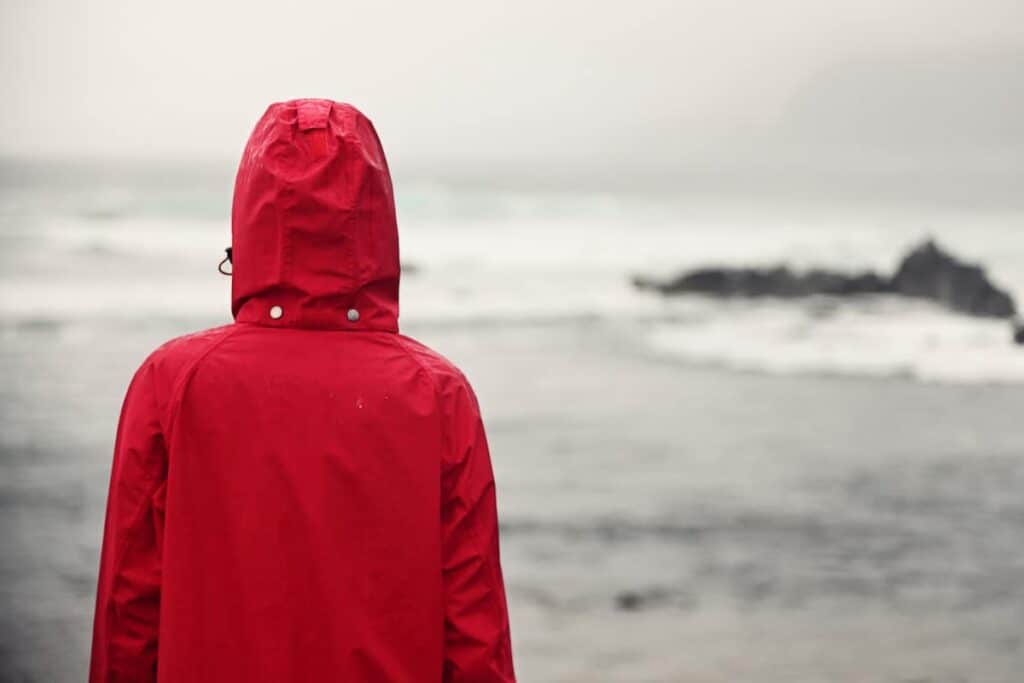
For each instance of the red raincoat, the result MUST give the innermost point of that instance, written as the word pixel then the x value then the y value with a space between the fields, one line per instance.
pixel 305 494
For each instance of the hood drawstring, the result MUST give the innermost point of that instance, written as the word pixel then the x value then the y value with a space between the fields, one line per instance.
pixel 226 259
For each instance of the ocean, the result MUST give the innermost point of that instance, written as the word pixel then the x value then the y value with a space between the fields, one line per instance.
pixel 690 489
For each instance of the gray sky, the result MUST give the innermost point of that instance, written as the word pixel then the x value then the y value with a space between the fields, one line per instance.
pixel 577 86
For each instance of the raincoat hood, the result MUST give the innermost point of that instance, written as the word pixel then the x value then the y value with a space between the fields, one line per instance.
pixel 314 236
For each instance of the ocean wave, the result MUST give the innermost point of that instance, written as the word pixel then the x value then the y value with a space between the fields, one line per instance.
pixel 883 336
pixel 880 336
pixel 543 268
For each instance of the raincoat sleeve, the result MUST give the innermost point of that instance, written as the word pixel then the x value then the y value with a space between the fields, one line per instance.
pixel 477 643
pixel 128 595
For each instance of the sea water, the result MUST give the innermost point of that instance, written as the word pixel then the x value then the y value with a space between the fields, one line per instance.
pixel 78 250
pixel 690 489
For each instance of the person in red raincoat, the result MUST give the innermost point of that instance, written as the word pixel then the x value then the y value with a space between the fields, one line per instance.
pixel 305 494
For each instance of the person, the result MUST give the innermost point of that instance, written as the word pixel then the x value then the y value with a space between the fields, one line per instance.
pixel 304 494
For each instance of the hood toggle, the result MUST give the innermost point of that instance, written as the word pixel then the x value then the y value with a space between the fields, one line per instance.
pixel 226 259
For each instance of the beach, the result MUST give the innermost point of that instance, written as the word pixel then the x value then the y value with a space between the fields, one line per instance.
pixel 689 490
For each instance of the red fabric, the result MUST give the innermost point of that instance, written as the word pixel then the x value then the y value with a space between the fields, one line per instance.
pixel 306 497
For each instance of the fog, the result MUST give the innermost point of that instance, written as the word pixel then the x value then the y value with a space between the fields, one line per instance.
pixel 872 92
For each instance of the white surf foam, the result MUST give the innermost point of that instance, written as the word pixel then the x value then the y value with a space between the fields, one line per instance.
pixel 882 336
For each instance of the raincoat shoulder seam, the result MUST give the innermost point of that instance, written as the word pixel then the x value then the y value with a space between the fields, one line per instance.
pixel 408 345
pixel 185 376
pixel 421 365
pixel 405 346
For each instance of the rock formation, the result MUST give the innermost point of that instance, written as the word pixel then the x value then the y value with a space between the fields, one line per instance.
pixel 927 272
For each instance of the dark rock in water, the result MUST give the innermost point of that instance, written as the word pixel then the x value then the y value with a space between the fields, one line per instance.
pixel 656 597
pixel 779 281
pixel 926 272
pixel 629 600
pixel 827 282
pixel 632 600
pixel 929 272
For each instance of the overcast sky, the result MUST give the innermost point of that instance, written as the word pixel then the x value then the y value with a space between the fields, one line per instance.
pixel 548 85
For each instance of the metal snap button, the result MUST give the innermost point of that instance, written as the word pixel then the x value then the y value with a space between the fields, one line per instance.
pixel 276 312
pixel 353 315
